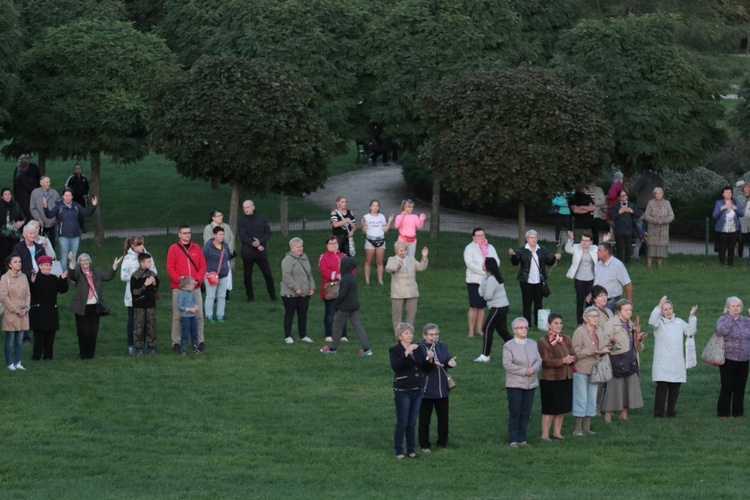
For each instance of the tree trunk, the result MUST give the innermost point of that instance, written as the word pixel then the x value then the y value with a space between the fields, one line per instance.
pixel 435 213
pixel 521 222
pixel 234 204
pixel 42 163
pixel 284 214
pixel 96 191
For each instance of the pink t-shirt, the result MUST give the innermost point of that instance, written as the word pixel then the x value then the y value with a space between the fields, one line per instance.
pixel 407 225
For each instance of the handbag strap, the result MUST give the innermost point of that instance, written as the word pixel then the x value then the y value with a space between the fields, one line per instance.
pixel 188 256
pixel 221 258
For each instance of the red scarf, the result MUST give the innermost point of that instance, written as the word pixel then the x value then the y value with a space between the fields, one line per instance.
pixel 554 338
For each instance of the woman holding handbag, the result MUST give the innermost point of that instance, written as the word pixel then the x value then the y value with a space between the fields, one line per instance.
pixel 669 369
pixel 624 390
pixel 329 265
pixel 217 254
pixel 588 351
pixel 735 329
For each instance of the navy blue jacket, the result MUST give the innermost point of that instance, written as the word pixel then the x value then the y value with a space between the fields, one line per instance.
pixel 435 378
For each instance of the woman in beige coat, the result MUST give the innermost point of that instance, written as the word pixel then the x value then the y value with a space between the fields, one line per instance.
pixel 404 290
pixel 659 215
pixel 15 295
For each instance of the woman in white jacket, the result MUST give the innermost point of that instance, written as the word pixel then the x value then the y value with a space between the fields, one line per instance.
pixel 582 268
pixel 668 369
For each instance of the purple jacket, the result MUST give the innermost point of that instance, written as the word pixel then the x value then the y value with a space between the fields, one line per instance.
pixel 736 335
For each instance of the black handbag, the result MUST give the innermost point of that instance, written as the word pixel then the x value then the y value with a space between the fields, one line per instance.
pixel 625 364
pixel 102 309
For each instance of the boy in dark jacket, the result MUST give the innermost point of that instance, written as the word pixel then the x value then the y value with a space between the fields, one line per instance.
pixel 347 307
pixel 144 285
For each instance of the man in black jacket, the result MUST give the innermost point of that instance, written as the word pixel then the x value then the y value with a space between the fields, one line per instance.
pixel 254 233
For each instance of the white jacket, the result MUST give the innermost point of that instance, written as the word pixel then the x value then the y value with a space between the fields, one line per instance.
pixel 669 353
pixel 474 262
pixel 577 252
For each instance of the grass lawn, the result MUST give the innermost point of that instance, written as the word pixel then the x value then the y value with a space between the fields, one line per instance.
pixel 254 417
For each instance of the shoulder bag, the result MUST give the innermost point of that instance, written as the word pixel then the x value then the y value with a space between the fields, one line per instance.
pixel 212 278
pixel 713 354
pixel 602 372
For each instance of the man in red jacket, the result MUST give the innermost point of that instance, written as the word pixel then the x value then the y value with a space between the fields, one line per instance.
pixel 185 258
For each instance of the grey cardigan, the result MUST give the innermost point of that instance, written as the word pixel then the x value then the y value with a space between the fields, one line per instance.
pixel 81 293
pixel 516 359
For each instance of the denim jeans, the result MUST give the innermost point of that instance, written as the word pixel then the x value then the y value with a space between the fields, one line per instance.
pixel 13 340
pixel 519 410
pixel 328 316
pixel 189 331
pixel 68 245
pixel 217 292
pixel 407 409
pixel 584 395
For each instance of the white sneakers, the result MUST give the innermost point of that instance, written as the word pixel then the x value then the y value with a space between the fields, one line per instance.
pixel 17 366
pixel 289 340
pixel 12 367
pixel 306 339
pixel 482 359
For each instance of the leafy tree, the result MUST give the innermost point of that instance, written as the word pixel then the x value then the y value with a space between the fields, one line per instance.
pixel 245 122
pixel 83 93
pixel 499 134
pixel 542 23
pixel 663 110
pixel 39 15
pixel 10 42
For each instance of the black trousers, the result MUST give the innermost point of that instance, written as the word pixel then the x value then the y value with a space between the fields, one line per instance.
pixel 87 328
pixel 669 392
pixel 583 288
pixel 732 393
pixel 725 246
pixel 624 247
pixel 298 305
pixel 531 294
pixel 496 320
pixel 265 268
pixel 43 344
pixel 742 240
pixel 425 415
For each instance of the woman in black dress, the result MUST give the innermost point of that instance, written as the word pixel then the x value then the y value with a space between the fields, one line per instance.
pixel 43 316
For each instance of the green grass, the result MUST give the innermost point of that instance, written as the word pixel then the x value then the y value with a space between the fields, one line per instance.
pixel 254 417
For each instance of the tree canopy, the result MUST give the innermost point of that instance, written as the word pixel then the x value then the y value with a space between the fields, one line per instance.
pixel 501 134
pixel 10 43
pixel 664 111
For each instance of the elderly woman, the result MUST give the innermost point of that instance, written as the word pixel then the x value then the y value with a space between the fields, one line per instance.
pixel 217 254
pixel 735 329
pixel 408 362
pixel 343 225
pixel 581 269
pixel 43 316
pixel 42 240
pixel 133 247
pixel 599 300
pixel 522 362
pixel 436 391
pixel 556 385
pixel 625 341
pixel 404 290
pixel 16 297
pixel 587 350
pixel 659 215
pixel 375 226
pixel 623 216
pixel 297 286
pixel 727 213
pixel 668 369
pixel 217 219
pixel 67 212
pixel 492 290
pixel 11 220
pixel 533 260
pixel 88 291
pixel 475 254
pixel 329 265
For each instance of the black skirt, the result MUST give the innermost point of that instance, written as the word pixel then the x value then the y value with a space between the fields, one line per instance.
pixel 557 396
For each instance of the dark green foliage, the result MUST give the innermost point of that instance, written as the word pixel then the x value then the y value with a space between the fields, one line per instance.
pixel 83 90
pixel 10 43
pixel 663 110
pixel 39 15
pixel 543 22
pixel 497 134
pixel 244 122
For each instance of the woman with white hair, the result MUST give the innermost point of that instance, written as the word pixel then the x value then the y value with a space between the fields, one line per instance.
pixel 522 362
pixel 404 290
pixel 297 286
pixel 659 215
pixel 87 294
pixel 532 273
pixel 735 329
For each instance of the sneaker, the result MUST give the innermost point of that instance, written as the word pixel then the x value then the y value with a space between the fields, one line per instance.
pixel 329 339
pixel 151 351
pixel 202 347
pixel 363 353
pixel 328 350
pixel 176 348
pixel 12 368
pixel 482 359
pixel 139 352
pixel 306 339
pixel 131 350
pixel 514 445
pixel 426 450
pixel 210 320
pixel 197 351
pixel 220 320
pixel 182 353
pixel 344 339
pixel 289 340
pixel 380 283
pixel 19 366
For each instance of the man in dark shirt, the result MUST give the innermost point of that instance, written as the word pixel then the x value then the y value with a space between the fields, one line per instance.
pixel 254 232
pixel 79 184
pixel 26 178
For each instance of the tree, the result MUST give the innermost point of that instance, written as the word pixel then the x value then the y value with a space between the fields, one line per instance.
pixel 542 23
pixel 500 134
pixel 245 122
pixel 83 94
pixel 10 43
pixel 663 110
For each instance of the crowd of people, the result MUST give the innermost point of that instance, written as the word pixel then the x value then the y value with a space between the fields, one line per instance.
pixel 568 371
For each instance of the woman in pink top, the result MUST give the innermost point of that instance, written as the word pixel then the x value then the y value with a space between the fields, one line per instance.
pixel 407 224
